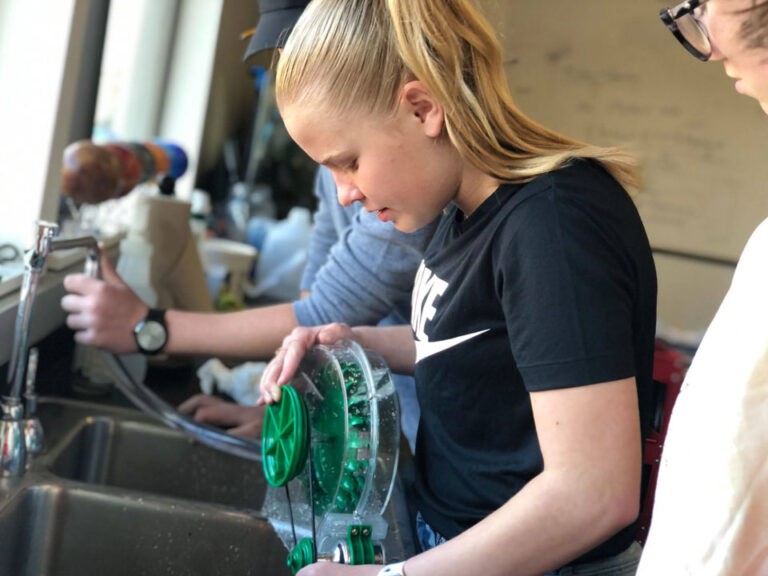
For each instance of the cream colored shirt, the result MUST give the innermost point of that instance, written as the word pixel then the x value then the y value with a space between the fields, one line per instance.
pixel 710 514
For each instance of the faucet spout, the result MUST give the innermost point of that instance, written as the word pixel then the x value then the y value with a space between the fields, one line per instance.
pixel 34 264
pixel 11 425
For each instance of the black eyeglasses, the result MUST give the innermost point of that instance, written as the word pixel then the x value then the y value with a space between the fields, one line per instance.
pixel 684 24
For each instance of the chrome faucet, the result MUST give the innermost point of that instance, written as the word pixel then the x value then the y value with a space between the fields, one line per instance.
pixel 33 430
pixel 14 426
pixel 19 430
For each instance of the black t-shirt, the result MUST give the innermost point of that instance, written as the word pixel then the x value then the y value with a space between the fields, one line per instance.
pixel 546 285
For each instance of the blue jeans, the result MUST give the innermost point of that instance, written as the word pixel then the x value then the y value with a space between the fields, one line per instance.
pixel 623 564
pixel 428 538
pixel 409 407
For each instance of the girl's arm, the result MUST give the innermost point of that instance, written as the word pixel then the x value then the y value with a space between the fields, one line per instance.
pixel 394 343
pixel 104 313
pixel 251 333
pixel 589 489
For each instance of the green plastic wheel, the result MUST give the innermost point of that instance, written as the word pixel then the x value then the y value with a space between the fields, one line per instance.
pixel 336 488
pixel 301 556
pixel 284 438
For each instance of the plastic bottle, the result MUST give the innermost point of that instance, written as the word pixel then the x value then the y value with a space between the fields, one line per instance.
pixel 262 215
pixel 283 257
pixel 238 212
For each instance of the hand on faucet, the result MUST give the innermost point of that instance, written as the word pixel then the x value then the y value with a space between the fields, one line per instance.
pixel 103 312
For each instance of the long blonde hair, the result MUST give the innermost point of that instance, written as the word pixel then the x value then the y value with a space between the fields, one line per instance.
pixel 355 55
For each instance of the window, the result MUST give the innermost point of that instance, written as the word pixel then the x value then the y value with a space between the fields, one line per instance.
pixel 156 78
pixel 34 55
pixel 135 65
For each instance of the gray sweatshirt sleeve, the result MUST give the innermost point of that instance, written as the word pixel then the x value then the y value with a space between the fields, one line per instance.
pixel 330 220
pixel 368 273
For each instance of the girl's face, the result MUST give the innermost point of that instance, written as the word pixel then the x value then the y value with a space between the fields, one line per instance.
pixel 397 166
pixel 748 66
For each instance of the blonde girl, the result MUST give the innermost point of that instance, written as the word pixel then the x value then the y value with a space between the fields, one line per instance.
pixel 532 329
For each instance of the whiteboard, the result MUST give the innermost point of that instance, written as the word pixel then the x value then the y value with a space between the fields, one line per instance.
pixel 608 72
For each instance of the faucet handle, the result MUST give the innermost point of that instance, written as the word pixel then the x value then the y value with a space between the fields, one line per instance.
pixel 46 227
pixel 45 231
pixel 34 258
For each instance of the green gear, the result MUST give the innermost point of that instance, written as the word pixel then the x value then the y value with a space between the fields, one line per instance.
pixel 328 424
pixel 303 554
pixel 284 438
pixel 328 431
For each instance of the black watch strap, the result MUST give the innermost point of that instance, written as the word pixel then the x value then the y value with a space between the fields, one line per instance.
pixel 156 315
pixel 151 334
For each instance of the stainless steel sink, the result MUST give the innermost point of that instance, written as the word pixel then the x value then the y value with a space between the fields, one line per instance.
pixel 138 455
pixel 64 530
pixel 115 492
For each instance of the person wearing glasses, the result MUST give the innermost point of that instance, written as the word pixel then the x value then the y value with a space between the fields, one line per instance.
pixel 710 513
pixel 732 31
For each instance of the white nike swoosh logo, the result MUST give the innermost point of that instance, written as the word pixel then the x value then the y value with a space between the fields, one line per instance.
pixel 427 349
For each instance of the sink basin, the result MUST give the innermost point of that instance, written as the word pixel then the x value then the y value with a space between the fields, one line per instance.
pixel 147 457
pixel 63 530
pixel 117 493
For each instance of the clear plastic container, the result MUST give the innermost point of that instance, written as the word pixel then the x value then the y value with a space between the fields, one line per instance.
pixel 283 256
pixel 354 442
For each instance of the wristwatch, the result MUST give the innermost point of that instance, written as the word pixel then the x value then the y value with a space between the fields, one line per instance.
pixel 393 570
pixel 151 333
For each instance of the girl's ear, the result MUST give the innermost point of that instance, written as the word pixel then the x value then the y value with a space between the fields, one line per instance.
pixel 421 104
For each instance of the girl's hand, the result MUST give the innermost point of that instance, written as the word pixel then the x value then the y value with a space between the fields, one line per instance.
pixel 243 421
pixel 287 358
pixel 103 313
pixel 330 569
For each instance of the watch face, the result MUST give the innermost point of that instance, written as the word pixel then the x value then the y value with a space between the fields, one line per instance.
pixel 151 336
